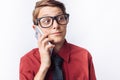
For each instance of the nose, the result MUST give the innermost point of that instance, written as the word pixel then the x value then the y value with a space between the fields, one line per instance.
pixel 55 24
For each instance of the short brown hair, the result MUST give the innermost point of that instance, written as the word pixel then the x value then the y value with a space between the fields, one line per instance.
pixel 43 3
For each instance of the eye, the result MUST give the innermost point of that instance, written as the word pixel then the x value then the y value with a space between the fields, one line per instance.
pixel 61 18
pixel 46 21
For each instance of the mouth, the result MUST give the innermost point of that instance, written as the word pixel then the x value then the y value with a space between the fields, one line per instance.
pixel 56 33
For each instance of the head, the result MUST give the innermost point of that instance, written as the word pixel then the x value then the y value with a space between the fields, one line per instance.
pixel 51 17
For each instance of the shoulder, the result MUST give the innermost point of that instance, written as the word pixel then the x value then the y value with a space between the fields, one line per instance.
pixel 29 64
pixel 32 54
pixel 75 47
pixel 78 50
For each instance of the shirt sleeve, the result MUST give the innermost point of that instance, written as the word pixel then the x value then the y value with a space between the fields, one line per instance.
pixel 25 71
pixel 92 75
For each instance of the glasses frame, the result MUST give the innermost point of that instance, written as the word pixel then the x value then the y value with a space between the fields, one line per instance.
pixel 53 18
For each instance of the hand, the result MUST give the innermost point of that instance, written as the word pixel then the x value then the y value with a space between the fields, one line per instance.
pixel 44 50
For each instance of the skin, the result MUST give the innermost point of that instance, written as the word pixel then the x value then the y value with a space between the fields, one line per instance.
pixel 54 34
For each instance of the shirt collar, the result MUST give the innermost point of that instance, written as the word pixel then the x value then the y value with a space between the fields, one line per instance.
pixel 65 51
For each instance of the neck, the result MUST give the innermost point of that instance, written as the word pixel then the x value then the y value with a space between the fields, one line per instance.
pixel 58 46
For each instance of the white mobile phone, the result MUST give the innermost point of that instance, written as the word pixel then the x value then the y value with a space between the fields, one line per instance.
pixel 39 31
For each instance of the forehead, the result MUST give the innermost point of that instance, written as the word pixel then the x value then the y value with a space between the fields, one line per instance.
pixel 49 11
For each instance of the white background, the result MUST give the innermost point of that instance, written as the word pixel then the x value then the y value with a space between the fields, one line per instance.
pixel 94 25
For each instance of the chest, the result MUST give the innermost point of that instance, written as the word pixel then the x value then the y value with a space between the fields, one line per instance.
pixel 75 71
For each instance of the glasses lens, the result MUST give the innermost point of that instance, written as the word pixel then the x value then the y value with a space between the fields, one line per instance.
pixel 46 21
pixel 62 19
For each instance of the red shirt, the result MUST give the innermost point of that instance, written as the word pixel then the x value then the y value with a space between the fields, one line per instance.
pixel 77 64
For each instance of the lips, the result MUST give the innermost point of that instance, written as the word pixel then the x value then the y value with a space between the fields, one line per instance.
pixel 56 33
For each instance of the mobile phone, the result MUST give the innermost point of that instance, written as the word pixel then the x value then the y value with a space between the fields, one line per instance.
pixel 39 31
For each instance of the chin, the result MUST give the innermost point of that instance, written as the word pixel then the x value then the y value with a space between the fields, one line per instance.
pixel 58 40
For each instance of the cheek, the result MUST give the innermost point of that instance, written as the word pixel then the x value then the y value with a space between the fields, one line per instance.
pixel 64 29
pixel 46 31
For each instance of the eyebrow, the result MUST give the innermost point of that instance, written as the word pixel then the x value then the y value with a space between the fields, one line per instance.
pixel 45 15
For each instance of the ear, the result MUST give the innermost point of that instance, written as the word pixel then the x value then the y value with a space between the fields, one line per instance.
pixel 34 27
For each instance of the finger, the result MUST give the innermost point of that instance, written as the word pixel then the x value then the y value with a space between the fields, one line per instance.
pixel 41 38
pixel 47 41
pixel 49 47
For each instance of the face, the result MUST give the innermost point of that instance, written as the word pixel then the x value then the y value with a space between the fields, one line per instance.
pixel 56 31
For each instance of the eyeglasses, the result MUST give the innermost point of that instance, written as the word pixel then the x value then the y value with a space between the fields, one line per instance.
pixel 47 21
